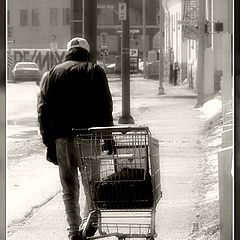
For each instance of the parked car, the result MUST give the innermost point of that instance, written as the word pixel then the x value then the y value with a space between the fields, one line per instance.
pixel 134 66
pixel 110 68
pixel 26 71
pixel 140 65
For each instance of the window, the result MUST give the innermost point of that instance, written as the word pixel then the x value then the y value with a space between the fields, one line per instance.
pixel 135 17
pixel 53 16
pixel 66 16
pixel 23 17
pixel 35 17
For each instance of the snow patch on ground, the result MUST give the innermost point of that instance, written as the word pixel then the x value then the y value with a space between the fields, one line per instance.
pixel 211 108
pixel 208 206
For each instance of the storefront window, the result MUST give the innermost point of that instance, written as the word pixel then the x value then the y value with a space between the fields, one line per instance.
pixel 23 17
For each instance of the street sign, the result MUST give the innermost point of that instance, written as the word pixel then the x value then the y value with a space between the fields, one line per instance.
pixel 104 51
pixel 218 26
pixel 134 31
pixel 122 11
pixel 188 22
pixel 133 52
pixel 10 61
pixel 131 31
pixel 104 39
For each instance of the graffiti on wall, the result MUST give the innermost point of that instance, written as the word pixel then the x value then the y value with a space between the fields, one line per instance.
pixel 44 58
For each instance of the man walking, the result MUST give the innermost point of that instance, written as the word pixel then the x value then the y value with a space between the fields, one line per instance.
pixel 74 94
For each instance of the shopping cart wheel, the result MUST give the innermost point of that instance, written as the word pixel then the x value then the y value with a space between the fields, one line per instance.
pixel 150 238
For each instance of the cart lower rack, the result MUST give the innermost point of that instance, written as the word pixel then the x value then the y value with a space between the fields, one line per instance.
pixel 121 176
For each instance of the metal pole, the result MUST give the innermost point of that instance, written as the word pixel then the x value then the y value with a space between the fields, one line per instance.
pixel 83 10
pixel 90 26
pixel 161 46
pixel 201 51
pixel 125 70
pixel 144 36
pixel 76 19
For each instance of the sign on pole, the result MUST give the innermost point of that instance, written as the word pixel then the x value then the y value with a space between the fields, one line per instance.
pixel 122 11
pixel 133 60
pixel 133 52
pixel 104 51
pixel 104 39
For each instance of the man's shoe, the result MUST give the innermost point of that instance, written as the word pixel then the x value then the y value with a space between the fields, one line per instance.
pixel 90 226
pixel 76 236
pixel 88 231
pixel 91 230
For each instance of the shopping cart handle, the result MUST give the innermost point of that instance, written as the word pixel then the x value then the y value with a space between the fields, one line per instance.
pixel 118 128
pixel 77 131
pixel 128 156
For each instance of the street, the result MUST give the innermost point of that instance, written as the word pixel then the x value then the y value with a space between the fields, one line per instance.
pixel 28 172
pixel 188 174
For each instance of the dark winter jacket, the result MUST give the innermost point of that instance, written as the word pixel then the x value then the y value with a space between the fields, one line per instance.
pixel 74 94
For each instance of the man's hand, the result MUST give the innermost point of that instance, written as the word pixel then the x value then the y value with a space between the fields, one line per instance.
pixel 51 153
pixel 109 145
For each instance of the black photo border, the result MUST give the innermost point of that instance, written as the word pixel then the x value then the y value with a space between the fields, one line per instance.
pixel 3 120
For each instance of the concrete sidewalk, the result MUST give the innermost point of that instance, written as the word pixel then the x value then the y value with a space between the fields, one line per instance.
pixel 177 125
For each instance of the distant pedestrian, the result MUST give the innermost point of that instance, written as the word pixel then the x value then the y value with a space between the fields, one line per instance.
pixel 74 94
pixel 171 73
pixel 175 73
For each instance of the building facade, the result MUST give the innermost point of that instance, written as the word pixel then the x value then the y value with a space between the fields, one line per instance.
pixel 177 50
pixel 45 24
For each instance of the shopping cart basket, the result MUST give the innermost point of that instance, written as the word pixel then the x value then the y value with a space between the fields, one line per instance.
pixel 121 174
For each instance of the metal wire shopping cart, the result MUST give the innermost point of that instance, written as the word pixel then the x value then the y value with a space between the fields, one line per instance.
pixel 120 170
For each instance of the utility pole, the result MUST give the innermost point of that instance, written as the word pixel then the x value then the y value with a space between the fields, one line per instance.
pixel 201 54
pixel 90 26
pixel 161 45
pixel 125 63
pixel 144 37
pixel 76 18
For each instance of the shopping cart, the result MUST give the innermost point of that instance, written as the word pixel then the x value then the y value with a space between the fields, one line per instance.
pixel 121 175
